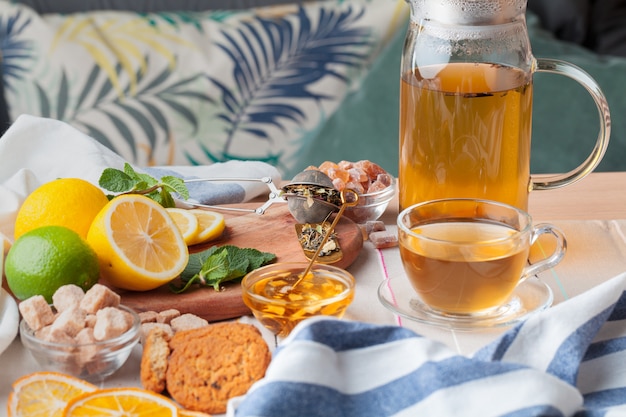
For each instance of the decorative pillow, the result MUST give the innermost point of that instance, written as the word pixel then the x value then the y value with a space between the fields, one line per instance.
pixel 145 6
pixel 194 87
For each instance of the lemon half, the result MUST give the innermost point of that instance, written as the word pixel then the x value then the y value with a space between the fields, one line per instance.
pixel 138 244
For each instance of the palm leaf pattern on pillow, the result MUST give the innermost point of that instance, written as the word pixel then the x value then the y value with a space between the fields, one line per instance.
pixel 125 39
pixel 142 99
pixel 280 60
pixel 148 106
pixel 150 114
pixel 16 53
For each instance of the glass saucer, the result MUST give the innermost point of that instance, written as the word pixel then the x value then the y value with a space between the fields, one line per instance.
pixel 529 297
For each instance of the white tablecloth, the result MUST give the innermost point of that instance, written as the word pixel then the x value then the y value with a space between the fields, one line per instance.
pixel 596 253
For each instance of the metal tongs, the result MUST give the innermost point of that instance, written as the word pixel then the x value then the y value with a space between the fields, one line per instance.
pixel 275 195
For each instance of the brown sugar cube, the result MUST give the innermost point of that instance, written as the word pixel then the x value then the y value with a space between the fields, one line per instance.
pixel 90 320
pixel 384 239
pixel 371 226
pixel 65 344
pixel 55 335
pixel 375 226
pixel 345 165
pixel 85 336
pixel 110 322
pixel 86 355
pixel 99 297
pixel 166 316
pixel 89 349
pixel 382 181
pixel 42 333
pixel 128 317
pixel 147 327
pixel 187 322
pixel 67 296
pixel 148 316
pixel 70 321
pixel 95 367
pixel 88 360
pixel 36 312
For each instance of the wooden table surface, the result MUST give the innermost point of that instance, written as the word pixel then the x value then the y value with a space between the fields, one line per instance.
pixel 599 196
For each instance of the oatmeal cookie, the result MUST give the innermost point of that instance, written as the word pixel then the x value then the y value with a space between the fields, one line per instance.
pixel 156 352
pixel 210 365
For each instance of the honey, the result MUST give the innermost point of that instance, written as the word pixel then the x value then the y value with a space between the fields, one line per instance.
pixel 279 304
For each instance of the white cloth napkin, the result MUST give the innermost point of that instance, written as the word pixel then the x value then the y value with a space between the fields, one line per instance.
pixel 569 360
pixel 36 150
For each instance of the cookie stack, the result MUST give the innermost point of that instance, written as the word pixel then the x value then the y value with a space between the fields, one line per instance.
pixel 203 368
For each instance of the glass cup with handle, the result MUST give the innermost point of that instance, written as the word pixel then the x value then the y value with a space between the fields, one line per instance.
pixel 465 257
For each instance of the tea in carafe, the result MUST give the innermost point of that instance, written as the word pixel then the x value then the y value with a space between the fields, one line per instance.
pixel 466 104
pixel 465 132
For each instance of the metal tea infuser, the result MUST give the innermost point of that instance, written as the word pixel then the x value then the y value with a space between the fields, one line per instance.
pixel 344 203
pixel 310 195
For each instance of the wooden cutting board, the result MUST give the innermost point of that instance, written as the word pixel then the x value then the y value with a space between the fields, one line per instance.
pixel 273 232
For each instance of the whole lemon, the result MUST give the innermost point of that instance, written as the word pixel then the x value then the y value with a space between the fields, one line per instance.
pixel 46 258
pixel 69 202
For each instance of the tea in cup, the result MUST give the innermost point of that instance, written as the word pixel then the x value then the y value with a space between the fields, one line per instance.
pixel 465 257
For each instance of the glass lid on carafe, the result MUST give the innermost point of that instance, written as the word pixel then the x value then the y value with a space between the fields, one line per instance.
pixel 468 12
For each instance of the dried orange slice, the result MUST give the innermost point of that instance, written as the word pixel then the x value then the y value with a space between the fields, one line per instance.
pixel 187 223
pixel 44 394
pixel 121 402
pixel 182 412
pixel 138 244
pixel 212 225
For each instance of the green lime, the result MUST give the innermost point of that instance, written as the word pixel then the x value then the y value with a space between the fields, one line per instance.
pixel 46 258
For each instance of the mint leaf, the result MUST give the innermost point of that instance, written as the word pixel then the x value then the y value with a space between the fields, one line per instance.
pixel 216 265
pixel 194 265
pixel 237 265
pixel 115 181
pixel 129 181
pixel 128 170
pixel 258 258
pixel 175 184
pixel 215 269
pixel 147 180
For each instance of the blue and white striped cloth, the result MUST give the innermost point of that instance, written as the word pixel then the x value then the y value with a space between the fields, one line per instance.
pixel 569 360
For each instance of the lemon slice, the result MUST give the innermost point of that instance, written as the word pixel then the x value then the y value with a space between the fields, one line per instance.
pixel 138 244
pixel 121 402
pixel 212 225
pixel 187 223
pixel 44 394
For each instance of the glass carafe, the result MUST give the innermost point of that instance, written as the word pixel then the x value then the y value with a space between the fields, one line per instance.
pixel 466 100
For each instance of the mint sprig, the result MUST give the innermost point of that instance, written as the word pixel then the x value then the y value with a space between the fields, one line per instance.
pixel 129 181
pixel 220 264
